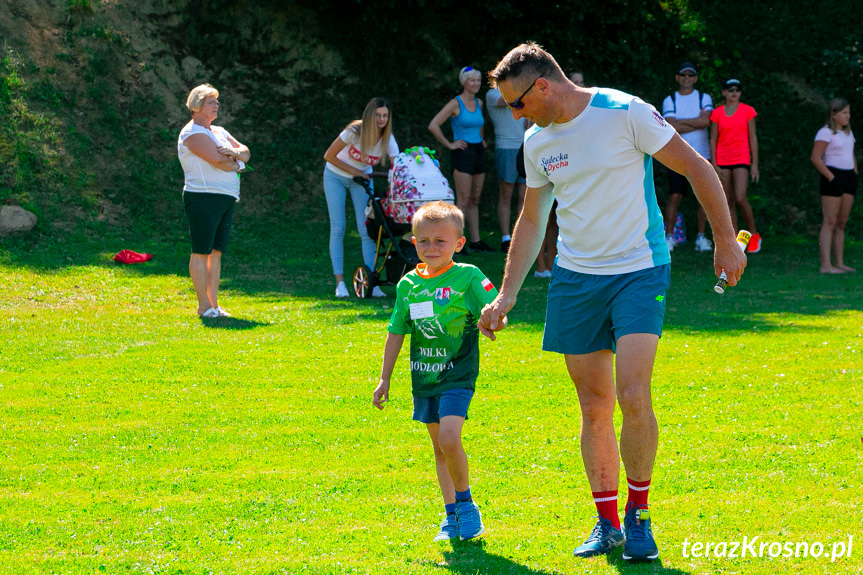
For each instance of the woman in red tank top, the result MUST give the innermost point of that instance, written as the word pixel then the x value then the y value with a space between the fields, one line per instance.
pixel 734 153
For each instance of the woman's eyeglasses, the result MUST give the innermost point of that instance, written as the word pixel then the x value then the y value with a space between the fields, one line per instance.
pixel 518 104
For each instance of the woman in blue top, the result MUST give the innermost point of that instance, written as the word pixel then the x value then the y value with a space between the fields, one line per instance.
pixel 468 149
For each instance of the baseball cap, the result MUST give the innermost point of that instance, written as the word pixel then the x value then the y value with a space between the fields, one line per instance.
pixel 687 67
pixel 731 82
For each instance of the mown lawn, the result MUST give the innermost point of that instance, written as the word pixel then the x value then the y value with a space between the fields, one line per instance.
pixel 136 439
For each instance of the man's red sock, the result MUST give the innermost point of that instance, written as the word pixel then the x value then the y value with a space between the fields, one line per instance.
pixel 606 506
pixel 638 491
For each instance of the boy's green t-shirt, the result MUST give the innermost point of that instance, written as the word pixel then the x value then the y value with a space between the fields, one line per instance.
pixel 440 314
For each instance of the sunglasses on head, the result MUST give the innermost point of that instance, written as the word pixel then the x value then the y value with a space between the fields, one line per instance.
pixel 517 104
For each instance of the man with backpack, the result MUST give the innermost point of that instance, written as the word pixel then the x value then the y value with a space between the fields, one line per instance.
pixel 688 111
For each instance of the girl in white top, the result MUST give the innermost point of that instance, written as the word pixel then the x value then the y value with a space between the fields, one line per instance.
pixel 833 157
pixel 361 145
pixel 211 158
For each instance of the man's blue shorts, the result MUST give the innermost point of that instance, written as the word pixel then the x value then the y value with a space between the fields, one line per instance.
pixel 587 312
pixel 450 402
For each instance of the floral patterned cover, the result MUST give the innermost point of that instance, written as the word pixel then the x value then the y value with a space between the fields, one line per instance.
pixel 414 179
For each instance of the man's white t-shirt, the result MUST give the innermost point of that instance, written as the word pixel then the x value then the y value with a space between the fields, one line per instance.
pixel 686 108
pixel 352 156
pixel 601 168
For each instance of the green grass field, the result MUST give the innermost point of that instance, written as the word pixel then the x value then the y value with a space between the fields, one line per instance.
pixel 137 439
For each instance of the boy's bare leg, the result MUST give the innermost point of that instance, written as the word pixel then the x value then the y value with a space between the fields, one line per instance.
pixel 443 477
pixel 449 441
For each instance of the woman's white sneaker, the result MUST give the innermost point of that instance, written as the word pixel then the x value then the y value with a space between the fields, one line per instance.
pixel 342 290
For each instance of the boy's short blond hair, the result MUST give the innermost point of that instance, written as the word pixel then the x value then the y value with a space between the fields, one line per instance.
pixel 434 212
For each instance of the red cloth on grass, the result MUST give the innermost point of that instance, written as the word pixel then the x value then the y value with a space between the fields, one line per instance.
pixel 130 257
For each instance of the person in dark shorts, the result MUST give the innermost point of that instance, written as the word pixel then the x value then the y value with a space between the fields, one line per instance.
pixel 212 159
pixel 438 304
pixel 734 155
pixel 833 157
pixel 468 149
pixel 688 111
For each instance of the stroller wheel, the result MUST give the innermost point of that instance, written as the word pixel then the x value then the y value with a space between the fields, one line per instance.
pixel 363 282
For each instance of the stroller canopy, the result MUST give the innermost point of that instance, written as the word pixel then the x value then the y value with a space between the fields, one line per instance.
pixel 415 178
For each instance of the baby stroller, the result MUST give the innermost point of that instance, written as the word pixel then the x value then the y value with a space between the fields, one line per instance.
pixel 414 179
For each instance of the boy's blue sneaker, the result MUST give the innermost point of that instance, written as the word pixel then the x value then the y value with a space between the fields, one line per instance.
pixel 448 529
pixel 639 545
pixel 601 540
pixel 469 520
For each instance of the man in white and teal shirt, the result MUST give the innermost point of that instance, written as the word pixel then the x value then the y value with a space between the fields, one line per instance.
pixel 592 150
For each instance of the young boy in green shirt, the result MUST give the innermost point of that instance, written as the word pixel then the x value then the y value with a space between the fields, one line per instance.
pixel 438 304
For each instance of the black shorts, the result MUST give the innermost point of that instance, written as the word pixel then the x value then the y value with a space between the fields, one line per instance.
pixel 471 160
pixel 733 167
pixel 677 183
pixel 844 182
pixel 210 217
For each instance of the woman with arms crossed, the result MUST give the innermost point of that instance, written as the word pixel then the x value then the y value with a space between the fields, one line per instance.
pixel 211 158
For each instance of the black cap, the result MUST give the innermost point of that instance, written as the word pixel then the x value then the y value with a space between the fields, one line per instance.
pixel 687 67
pixel 731 82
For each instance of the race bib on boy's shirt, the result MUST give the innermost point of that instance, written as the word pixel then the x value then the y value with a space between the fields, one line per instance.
pixel 440 314
pixel 421 310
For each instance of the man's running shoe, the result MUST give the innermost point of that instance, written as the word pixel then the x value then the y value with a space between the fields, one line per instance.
pixel 639 545
pixel 754 244
pixel 448 528
pixel 702 244
pixel 469 520
pixel 602 539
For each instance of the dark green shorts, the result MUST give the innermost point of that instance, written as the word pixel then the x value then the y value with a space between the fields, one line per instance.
pixel 210 217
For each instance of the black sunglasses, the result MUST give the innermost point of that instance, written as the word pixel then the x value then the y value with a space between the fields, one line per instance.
pixel 518 104
pixel 732 89
pixel 688 75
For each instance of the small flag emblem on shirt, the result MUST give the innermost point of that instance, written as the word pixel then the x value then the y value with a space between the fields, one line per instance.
pixel 486 283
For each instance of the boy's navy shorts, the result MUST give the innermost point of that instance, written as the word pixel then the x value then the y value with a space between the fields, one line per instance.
pixel 450 402
pixel 588 313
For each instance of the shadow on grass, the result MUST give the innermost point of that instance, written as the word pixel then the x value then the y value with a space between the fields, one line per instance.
pixel 231 323
pixel 471 558
pixel 265 259
pixel 615 559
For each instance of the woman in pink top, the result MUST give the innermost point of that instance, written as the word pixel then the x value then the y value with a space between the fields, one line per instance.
pixel 833 156
pixel 734 153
